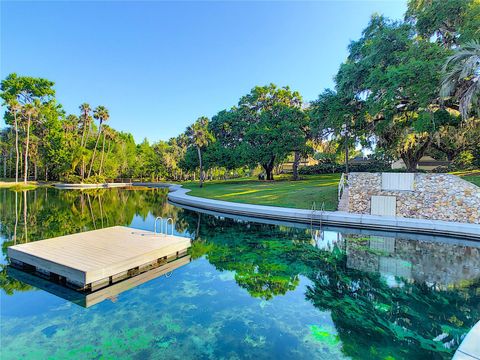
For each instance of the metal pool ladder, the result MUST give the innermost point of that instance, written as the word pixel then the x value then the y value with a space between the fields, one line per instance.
pixel 314 210
pixel 162 220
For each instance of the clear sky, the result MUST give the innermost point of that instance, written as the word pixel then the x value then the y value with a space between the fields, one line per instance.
pixel 157 66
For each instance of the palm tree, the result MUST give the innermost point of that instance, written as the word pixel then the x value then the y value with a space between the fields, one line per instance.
pixel 101 114
pixel 30 112
pixel 107 133
pixel 86 118
pixel 15 108
pixel 462 81
pixel 199 136
pixel 70 125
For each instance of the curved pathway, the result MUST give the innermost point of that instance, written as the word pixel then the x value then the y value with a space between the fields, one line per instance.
pixel 178 195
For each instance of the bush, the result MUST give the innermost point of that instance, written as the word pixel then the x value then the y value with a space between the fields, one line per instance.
pixel 464 160
pixel 326 168
pixel 445 169
pixel 71 179
pixel 95 179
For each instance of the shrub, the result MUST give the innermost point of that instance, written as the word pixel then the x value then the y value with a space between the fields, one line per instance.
pixel 95 179
pixel 71 179
pixel 372 166
pixel 464 160
pixel 445 169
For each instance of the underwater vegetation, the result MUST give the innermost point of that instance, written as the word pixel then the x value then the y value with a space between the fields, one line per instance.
pixel 252 290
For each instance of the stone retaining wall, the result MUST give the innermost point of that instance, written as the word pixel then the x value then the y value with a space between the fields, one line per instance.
pixel 431 262
pixel 434 196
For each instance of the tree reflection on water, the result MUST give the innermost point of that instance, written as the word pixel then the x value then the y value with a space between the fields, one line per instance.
pixel 386 295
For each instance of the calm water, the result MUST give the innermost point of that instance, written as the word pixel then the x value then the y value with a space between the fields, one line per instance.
pixel 251 291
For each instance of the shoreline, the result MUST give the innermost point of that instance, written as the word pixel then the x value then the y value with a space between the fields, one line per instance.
pixel 178 196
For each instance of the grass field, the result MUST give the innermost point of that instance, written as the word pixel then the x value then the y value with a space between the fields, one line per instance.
pixel 474 179
pixel 10 183
pixel 472 176
pixel 281 192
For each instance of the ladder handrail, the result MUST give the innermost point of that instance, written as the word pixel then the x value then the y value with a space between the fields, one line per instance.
pixel 166 226
pixel 314 205
pixel 314 209
pixel 162 229
pixel 155 225
pixel 341 185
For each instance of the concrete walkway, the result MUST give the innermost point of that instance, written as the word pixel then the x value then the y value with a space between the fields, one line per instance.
pixel 178 195
pixel 469 349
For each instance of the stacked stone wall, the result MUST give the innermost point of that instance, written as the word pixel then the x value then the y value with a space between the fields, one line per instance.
pixel 434 196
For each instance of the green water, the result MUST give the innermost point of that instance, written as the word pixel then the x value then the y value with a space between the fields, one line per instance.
pixel 252 291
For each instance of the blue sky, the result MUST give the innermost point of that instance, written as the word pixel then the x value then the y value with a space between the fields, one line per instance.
pixel 157 66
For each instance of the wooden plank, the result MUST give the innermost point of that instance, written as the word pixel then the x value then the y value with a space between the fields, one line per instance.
pixel 91 256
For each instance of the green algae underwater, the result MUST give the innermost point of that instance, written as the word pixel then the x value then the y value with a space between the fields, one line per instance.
pixel 251 290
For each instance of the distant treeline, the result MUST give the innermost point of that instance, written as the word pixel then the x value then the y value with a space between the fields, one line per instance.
pixel 407 89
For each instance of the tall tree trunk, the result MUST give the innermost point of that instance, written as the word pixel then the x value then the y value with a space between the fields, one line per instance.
pixel 346 153
pixel 25 215
pixel 25 174
pixel 101 208
pixel 269 174
pixel 5 164
pixel 16 219
pixel 269 168
pixel 82 202
pixel 411 157
pixel 197 231
pixel 411 162
pixel 17 156
pixel 10 164
pixel 83 133
pixel 103 154
pixel 95 150
pixel 296 161
pixel 91 211
pixel 35 171
pixel 201 165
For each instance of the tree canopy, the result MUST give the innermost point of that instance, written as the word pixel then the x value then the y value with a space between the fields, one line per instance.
pixel 408 88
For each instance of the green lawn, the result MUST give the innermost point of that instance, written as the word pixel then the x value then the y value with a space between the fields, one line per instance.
pixel 10 183
pixel 474 179
pixel 472 176
pixel 281 192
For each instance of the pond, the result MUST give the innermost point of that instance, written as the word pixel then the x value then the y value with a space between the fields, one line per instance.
pixel 251 291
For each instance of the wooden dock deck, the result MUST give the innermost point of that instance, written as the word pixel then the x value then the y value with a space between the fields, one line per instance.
pixel 95 259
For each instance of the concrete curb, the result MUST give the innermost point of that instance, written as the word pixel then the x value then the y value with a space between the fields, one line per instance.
pixel 178 195
pixel 454 241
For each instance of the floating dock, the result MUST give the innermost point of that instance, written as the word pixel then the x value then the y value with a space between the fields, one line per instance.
pixel 112 292
pixel 96 259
